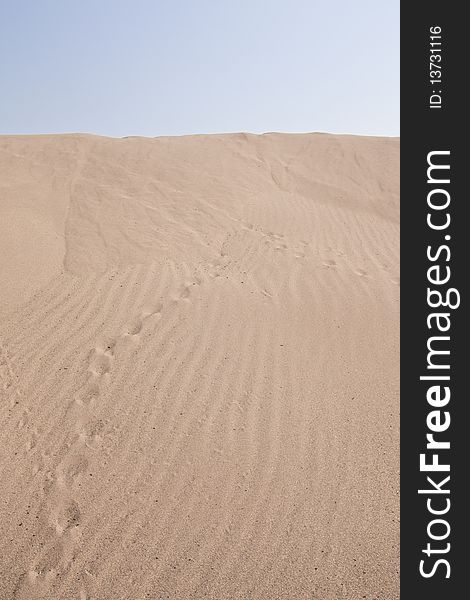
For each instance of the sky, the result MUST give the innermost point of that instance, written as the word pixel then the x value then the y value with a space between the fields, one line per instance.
pixel 175 67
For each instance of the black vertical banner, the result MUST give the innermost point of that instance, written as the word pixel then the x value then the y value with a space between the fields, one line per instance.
pixel 434 266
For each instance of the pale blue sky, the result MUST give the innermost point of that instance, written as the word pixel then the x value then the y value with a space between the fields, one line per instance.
pixel 155 67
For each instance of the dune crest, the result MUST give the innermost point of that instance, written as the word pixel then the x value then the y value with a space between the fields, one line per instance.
pixel 199 367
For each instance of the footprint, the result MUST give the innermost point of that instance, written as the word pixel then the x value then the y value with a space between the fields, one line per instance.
pixel 66 517
pixel 329 263
pixel 37 577
pixel 101 361
pixel 186 291
pixel 135 328
pixel 32 443
pixel 69 473
pixel 24 420
pixel 90 434
pixel 93 387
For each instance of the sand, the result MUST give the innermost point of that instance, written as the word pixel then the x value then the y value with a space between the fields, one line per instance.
pixel 199 367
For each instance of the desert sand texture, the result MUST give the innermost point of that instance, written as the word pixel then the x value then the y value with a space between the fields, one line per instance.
pixel 199 367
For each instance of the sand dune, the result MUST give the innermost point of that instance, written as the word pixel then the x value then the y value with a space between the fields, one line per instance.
pixel 199 367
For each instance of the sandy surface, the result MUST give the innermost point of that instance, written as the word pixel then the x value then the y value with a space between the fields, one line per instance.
pixel 199 367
